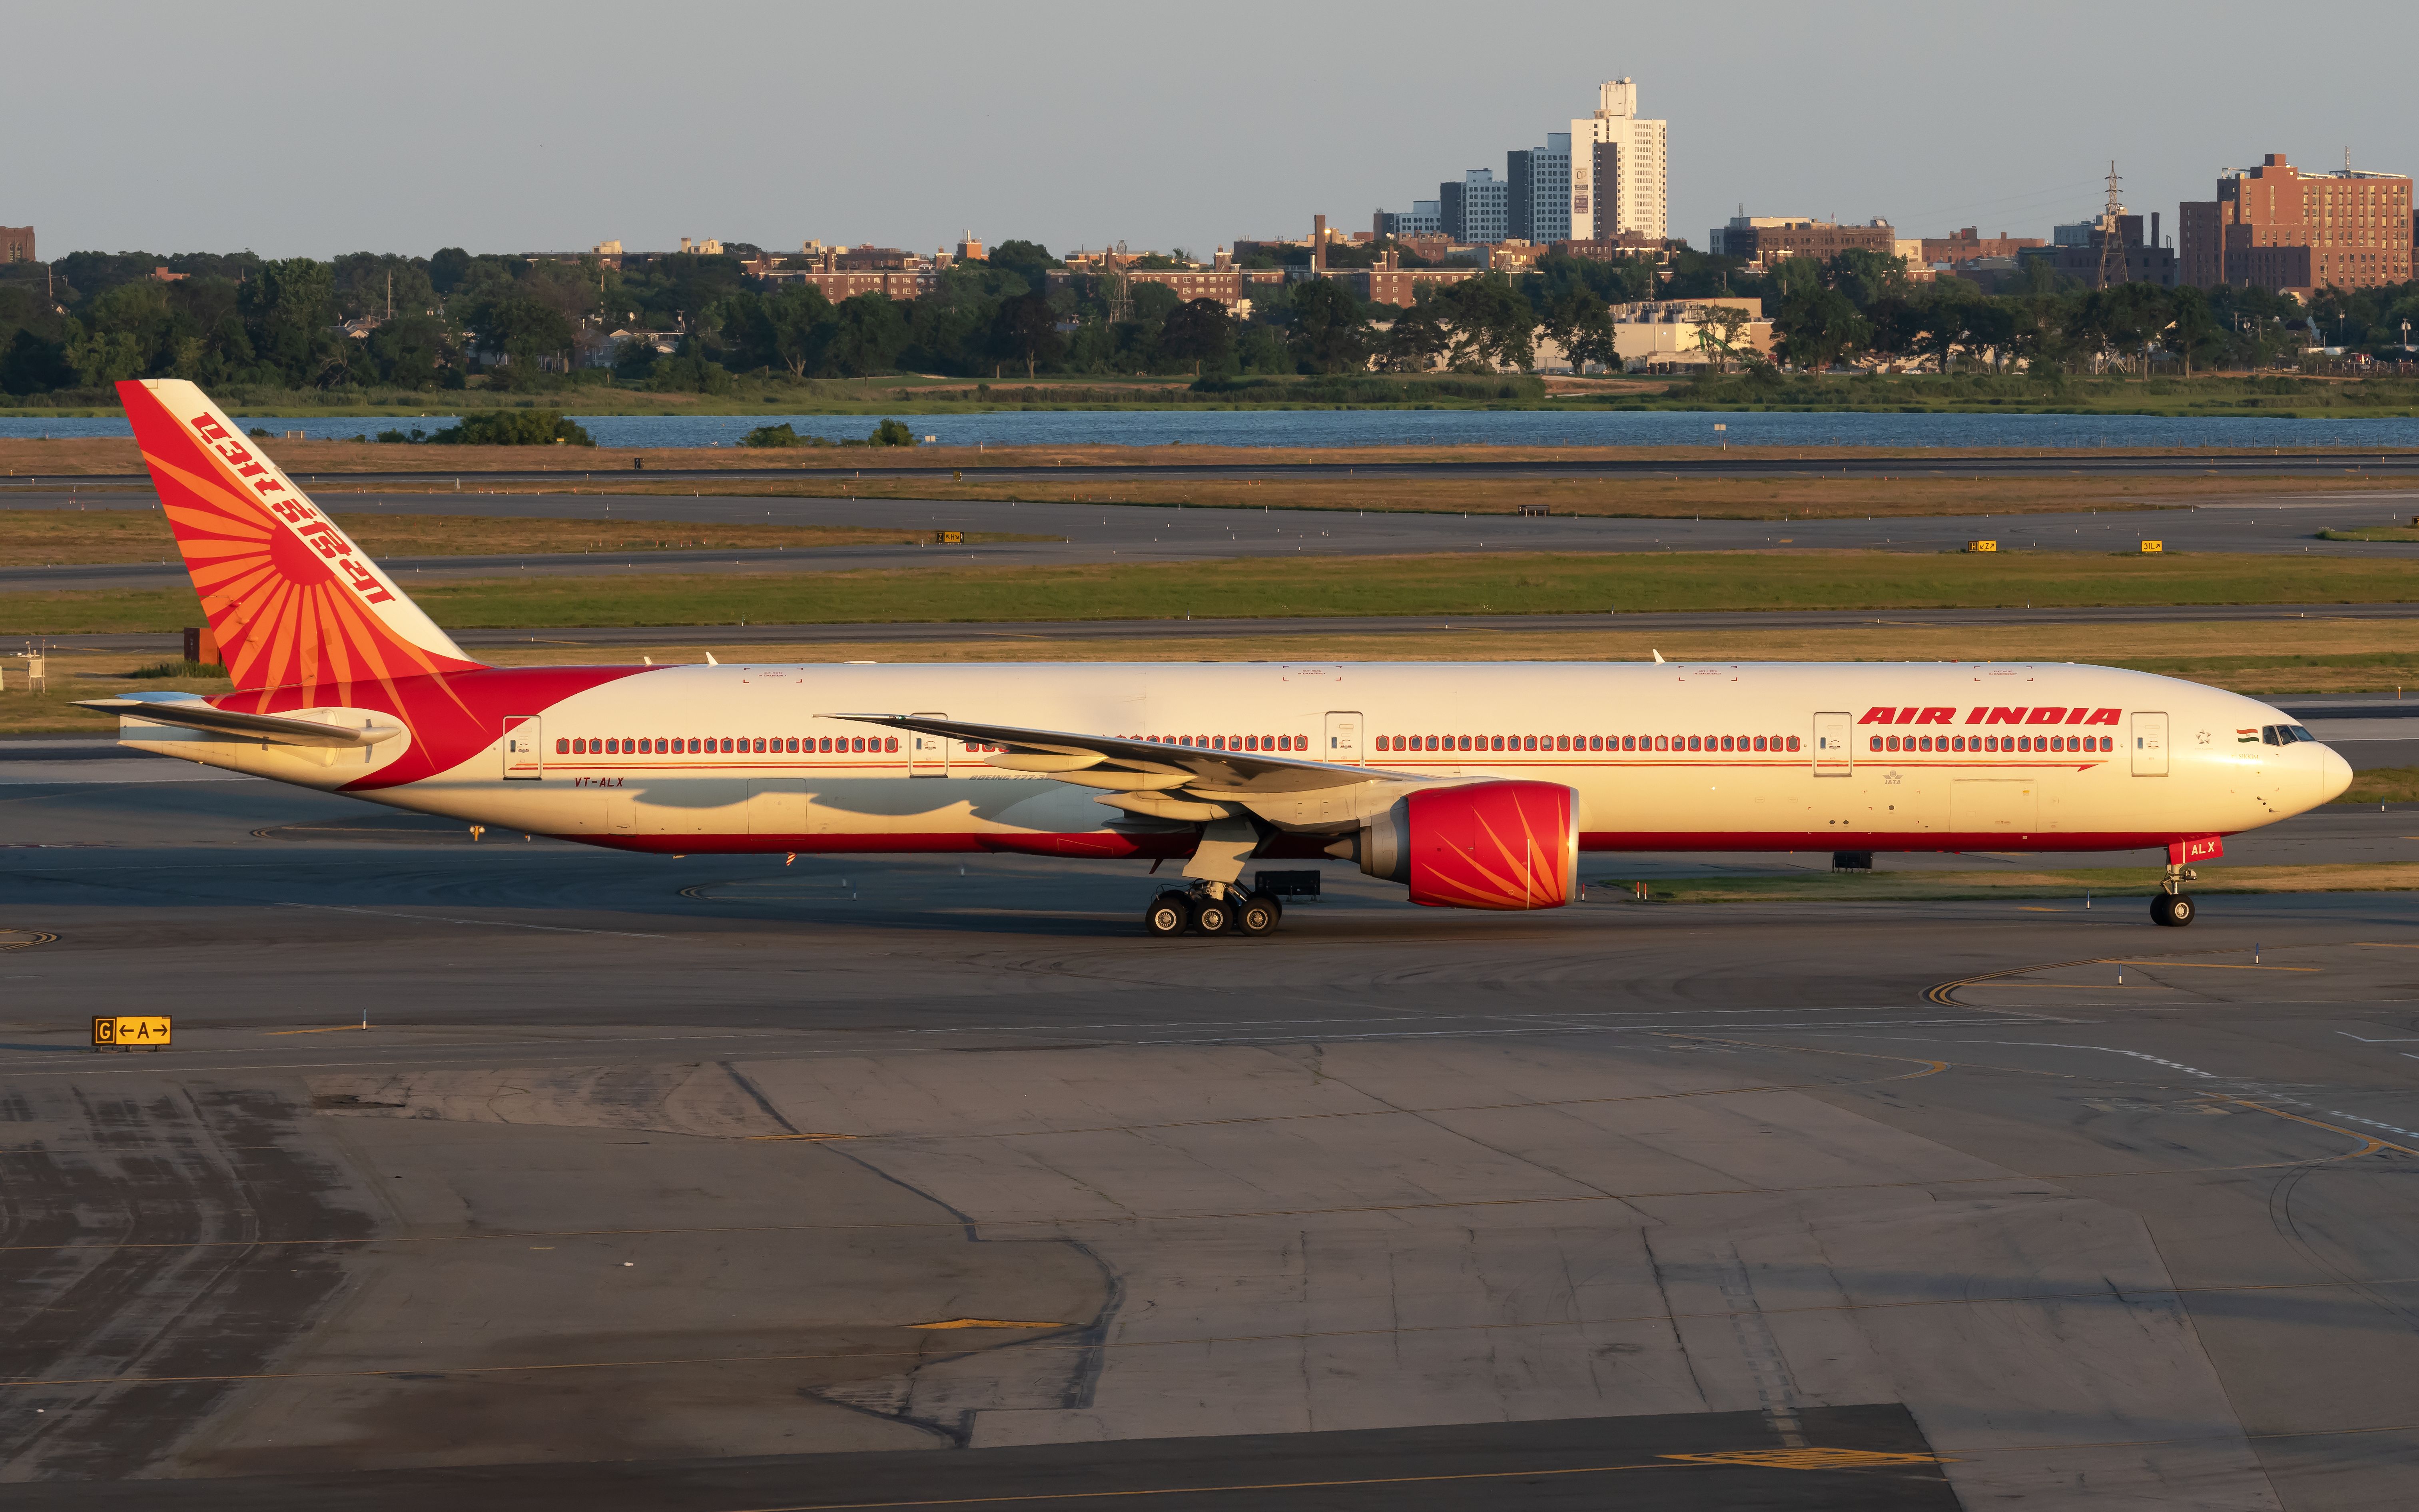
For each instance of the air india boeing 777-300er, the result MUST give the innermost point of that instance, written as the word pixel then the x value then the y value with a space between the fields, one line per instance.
pixel 1475 784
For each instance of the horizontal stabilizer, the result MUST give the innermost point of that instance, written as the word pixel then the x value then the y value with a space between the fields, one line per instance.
pixel 196 713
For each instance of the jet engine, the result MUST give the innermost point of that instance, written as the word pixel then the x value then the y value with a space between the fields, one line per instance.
pixel 1502 846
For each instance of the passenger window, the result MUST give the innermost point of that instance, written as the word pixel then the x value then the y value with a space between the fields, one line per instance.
pixel 562 747
pixel 1562 742
pixel 1595 743
pixel 1877 742
pixel 1792 743
pixel 890 743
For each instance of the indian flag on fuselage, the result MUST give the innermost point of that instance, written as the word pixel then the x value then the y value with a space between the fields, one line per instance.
pixel 294 603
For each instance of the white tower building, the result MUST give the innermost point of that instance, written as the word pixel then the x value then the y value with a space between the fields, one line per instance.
pixel 1619 168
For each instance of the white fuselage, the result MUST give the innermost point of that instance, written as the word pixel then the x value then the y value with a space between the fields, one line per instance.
pixel 1892 756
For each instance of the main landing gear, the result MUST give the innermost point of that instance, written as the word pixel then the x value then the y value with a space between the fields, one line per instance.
pixel 2170 907
pixel 1211 909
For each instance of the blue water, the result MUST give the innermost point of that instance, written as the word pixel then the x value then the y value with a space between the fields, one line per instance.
pixel 1414 427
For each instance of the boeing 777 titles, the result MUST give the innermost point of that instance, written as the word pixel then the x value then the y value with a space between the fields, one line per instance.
pixel 1478 785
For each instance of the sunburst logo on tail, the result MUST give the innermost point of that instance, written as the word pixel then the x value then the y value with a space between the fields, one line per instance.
pixel 295 604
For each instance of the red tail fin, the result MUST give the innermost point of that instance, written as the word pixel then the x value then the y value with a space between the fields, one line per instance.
pixel 292 600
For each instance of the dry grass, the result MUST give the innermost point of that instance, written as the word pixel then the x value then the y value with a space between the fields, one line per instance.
pixel 2294 657
pixel 33 537
pixel 1659 498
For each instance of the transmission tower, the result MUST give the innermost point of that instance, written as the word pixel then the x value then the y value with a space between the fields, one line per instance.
pixel 2112 235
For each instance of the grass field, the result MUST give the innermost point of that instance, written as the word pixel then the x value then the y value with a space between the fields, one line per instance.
pixel 2317 655
pixel 34 537
pixel 1245 588
pixel 2383 784
pixel 1668 496
pixel 2122 886
pixel 2372 532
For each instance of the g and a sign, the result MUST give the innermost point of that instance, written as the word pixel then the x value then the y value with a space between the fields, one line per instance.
pixel 127 1033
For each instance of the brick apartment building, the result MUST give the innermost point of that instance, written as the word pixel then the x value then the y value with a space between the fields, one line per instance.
pixel 17 244
pixel 1770 239
pixel 1968 245
pixel 883 270
pixel 2295 231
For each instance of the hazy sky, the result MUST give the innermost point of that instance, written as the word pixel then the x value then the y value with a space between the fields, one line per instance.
pixel 319 129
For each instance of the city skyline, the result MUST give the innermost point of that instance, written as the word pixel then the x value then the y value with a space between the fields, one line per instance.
pixel 548 136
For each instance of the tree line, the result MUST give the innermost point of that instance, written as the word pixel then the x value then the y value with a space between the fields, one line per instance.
pixel 438 322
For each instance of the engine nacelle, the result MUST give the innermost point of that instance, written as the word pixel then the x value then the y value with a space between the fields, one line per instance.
pixel 1504 845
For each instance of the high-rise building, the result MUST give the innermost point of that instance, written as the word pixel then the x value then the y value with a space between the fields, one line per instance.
pixel 1425 218
pixel 1619 168
pixel 1477 209
pixel 2296 232
pixel 1540 184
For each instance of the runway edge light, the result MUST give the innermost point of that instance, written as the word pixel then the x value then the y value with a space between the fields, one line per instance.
pixel 124 1032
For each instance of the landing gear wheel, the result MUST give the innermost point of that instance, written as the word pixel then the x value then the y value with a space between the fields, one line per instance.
pixel 1169 913
pixel 2172 910
pixel 1213 915
pixel 1256 915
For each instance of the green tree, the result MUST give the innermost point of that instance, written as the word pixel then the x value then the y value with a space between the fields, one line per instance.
pixel 528 331
pixel 1582 324
pixel 1025 330
pixel 1331 333
pixel 1416 338
pixel 287 310
pixel 1718 331
pixel 1818 328
pixel 1198 331
pixel 1030 261
pixel 2195 333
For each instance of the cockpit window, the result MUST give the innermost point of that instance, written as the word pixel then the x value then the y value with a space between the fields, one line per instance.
pixel 2295 732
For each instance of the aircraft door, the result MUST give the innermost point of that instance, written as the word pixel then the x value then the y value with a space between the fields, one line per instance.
pixel 1343 737
pixel 2150 745
pixel 928 755
pixel 524 746
pixel 1835 745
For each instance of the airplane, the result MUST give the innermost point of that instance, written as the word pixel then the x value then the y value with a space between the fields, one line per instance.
pixel 1475 785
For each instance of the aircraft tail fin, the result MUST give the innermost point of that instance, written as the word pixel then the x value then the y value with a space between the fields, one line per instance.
pixel 292 600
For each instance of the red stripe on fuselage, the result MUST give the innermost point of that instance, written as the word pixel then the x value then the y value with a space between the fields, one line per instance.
pixel 452 715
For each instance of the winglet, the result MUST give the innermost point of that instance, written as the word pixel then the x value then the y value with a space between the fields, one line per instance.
pixel 1659 659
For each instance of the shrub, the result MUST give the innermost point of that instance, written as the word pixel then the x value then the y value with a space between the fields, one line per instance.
pixel 891 433
pixel 515 427
pixel 780 435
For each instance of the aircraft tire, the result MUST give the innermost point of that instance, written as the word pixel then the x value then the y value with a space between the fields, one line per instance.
pixel 1256 915
pixel 1213 915
pixel 1170 912
pixel 2172 910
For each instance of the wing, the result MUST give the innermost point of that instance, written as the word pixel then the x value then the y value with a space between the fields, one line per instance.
pixel 1172 781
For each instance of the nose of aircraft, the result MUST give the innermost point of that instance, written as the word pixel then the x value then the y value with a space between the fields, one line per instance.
pixel 2335 775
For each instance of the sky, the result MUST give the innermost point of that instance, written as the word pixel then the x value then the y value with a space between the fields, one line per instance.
pixel 320 129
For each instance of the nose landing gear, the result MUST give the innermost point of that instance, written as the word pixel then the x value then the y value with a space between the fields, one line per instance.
pixel 2169 907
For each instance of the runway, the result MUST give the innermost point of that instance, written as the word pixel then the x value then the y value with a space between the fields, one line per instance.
pixel 655 1180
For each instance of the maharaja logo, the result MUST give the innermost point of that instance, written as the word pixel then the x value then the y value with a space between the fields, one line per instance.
pixel 2059 714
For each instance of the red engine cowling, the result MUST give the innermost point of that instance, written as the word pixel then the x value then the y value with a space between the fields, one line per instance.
pixel 1505 845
